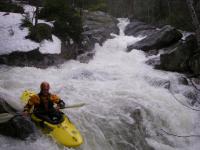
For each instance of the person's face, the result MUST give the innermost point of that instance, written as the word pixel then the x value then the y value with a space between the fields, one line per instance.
pixel 45 89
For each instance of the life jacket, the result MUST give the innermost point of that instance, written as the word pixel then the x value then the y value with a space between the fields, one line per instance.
pixel 46 105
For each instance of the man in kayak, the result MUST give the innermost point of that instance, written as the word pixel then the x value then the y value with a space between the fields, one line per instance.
pixel 43 103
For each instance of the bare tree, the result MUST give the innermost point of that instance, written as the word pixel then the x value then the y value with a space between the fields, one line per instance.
pixel 36 15
pixel 36 3
pixel 194 20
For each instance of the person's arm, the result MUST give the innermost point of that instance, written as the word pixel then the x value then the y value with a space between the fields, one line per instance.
pixel 31 102
pixel 56 99
pixel 61 104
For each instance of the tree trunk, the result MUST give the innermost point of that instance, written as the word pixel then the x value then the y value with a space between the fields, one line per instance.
pixel 195 20
pixel 36 15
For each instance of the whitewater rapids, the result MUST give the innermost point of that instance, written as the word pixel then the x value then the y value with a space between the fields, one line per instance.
pixel 113 85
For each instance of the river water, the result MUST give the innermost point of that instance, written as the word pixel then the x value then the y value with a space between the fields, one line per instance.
pixel 119 89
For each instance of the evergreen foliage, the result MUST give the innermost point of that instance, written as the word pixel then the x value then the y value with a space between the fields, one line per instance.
pixel 159 12
pixel 10 7
pixel 68 23
pixel 26 22
pixel 92 5
pixel 40 32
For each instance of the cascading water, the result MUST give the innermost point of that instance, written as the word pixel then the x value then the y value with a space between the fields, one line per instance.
pixel 127 102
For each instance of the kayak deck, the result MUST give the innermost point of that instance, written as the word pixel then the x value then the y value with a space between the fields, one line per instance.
pixel 64 133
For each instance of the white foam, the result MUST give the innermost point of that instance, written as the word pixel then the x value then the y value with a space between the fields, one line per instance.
pixel 114 84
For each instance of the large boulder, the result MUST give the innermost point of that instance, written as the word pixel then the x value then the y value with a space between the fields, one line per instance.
pixel 32 58
pixel 136 28
pixel 177 58
pixel 13 124
pixel 17 127
pixel 97 28
pixel 164 37
pixel 5 107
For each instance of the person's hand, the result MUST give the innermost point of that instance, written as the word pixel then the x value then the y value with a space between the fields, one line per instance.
pixel 57 108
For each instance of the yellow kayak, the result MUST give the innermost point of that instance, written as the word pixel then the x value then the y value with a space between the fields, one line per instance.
pixel 64 133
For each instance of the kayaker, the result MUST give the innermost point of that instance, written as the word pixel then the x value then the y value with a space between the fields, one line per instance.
pixel 43 103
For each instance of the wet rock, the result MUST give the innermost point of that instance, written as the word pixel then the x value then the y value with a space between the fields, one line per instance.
pixel 183 80
pixel 166 36
pixel 5 107
pixel 31 58
pixel 122 133
pixel 153 61
pixel 13 124
pixel 97 28
pixel 196 81
pixel 17 127
pixel 139 130
pixel 136 28
pixel 159 83
pixel 84 58
pixel 177 58
pixel 152 52
pixel 194 95
pixel 191 95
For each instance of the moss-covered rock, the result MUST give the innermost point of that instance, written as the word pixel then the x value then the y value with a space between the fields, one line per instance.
pixel 40 32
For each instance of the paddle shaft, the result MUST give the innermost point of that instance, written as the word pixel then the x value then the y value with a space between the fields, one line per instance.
pixel 74 106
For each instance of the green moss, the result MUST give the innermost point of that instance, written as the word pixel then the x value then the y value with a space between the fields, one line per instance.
pixel 40 32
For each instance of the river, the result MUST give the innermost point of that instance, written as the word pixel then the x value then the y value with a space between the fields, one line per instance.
pixel 116 86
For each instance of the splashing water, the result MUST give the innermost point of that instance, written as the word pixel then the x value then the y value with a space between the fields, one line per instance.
pixel 127 101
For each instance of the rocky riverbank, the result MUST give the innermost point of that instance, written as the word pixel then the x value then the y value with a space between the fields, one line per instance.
pixel 173 50
pixel 97 28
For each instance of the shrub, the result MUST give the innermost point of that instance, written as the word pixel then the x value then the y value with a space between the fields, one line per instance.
pixel 10 7
pixel 54 9
pixel 26 22
pixel 40 32
pixel 61 29
pixel 68 23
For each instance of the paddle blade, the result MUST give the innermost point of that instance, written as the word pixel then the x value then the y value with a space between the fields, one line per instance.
pixel 26 96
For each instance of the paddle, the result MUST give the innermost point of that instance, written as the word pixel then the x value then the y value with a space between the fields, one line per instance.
pixel 28 93
pixel 26 96
pixel 74 106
